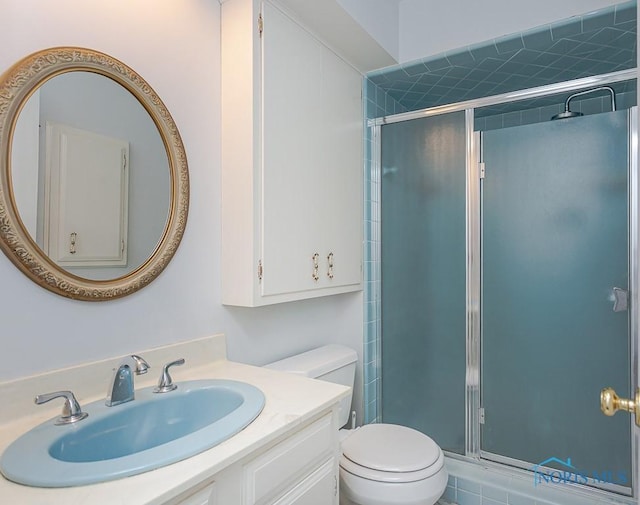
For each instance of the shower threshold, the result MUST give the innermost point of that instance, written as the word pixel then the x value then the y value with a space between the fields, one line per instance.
pixel 471 480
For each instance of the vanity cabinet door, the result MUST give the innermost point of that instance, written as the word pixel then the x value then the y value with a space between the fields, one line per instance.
pixel 303 465
pixel 205 496
pixel 292 161
pixel 321 487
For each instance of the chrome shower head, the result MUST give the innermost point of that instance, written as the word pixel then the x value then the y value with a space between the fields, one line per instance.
pixel 566 114
pixel 569 113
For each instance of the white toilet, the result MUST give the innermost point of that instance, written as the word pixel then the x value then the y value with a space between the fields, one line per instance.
pixel 381 464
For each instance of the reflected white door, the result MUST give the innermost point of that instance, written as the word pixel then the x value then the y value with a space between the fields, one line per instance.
pixel 86 198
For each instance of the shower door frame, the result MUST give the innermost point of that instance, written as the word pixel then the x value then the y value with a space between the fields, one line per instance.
pixel 473 256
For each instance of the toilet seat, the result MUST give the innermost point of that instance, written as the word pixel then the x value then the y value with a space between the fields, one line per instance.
pixel 391 453
pixel 392 477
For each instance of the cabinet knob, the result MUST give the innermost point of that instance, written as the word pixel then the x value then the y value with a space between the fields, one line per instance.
pixel 330 265
pixel 72 242
pixel 314 275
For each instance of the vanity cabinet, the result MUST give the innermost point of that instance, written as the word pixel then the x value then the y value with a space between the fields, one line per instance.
pixel 205 496
pixel 289 454
pixel 300 469
pixel 319 487
pixel 291 161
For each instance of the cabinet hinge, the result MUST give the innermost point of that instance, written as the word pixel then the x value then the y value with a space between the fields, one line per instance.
pixel 260 270
pixel 260 24
pixel 481 169
pixel 122 246
pixel 481 415
pixel 124 161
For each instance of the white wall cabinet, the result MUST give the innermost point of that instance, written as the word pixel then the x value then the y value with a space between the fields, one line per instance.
pixel 291 161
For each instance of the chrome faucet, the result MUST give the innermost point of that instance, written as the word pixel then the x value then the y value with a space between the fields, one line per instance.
pixel 121 384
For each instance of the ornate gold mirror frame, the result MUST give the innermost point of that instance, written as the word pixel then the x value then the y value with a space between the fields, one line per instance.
pixel 16 86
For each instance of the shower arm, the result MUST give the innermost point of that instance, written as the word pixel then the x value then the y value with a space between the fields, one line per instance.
pixel 586 92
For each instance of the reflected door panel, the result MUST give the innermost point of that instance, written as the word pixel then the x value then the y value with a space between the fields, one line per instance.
pixel 86 190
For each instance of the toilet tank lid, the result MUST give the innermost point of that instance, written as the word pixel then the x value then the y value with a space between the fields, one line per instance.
pixel 317 362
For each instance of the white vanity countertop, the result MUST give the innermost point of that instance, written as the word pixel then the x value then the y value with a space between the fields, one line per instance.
pixel 290 401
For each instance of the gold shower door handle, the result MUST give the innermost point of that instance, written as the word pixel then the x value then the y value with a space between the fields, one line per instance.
pixel 610 403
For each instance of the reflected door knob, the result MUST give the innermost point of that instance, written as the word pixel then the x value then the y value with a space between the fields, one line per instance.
pixel 610 403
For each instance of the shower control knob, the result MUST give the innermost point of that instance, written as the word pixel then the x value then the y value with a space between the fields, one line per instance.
pixel 610 403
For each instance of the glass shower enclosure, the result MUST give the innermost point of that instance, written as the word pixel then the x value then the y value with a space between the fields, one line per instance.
pixel 507 277
pixel 423 276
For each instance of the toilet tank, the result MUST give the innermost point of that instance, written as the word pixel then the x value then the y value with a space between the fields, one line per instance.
pixel 331 363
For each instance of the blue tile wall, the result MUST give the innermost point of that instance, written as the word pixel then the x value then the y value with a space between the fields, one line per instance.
pixel 596 43
pixel 538 114
pixel 377 103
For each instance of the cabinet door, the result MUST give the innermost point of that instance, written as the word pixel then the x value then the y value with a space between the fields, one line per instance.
pixel 206 496
pixel 291 133
pixel 278 469
pixel 321 487
pixel 311 165
pixel 340 181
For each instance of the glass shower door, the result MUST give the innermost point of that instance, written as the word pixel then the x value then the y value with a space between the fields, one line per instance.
pixel 423 276
pixel 555 229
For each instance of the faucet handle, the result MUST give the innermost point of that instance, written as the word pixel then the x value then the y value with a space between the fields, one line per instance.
pixel 165 384
pixel 141 365
pixel 71 411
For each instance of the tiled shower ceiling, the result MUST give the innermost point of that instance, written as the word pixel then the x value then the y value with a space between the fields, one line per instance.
pixel 596 43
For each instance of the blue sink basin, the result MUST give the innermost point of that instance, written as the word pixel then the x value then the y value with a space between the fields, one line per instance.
pixel 152 431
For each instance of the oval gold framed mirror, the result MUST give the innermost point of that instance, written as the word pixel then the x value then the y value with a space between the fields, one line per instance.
pixel 94 183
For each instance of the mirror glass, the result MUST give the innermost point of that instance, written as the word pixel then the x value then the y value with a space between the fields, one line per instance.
pixel 94 184
pixel 86 102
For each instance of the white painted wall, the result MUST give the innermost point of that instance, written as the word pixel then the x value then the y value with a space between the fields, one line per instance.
pixel 381 18
pixel 175 46
pixel 429 27
pixel 25 154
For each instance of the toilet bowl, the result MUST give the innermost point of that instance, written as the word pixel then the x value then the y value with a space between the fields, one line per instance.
pixel 381 464
pixel 387 464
